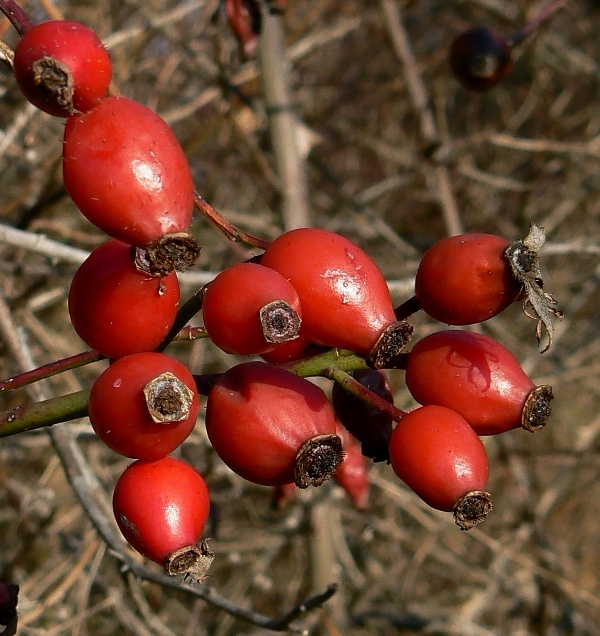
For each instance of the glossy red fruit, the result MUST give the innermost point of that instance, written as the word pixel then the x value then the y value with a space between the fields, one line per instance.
pixel 144 405
pixel 352 474
pixel 477 377
pixel 250 309
pixel 126 172
pixel 272 427
pixel 480 58
pixel 62 67
pixel 439 456
pixel 466 279
pixel 116 309
pixel 366 423
pixel 161 508
pixel 345 299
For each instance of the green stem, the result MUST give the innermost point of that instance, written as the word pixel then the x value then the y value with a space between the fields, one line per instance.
pixel 45 413
pixel 319 365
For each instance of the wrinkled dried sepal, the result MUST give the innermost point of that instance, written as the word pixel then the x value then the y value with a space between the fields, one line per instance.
pixel 472 508
pixel 523 257
pixel 168 399
pixel 536 410
pixel 390 343
pixel 193 561
pixel 279 322
pixel 56 79
pixel 317 460
pixel 170 253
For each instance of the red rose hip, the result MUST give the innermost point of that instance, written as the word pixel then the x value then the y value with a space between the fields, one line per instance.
pixel 161 508
pixel 466 279
pixel 439 456
pixel 144 405
pixel 345 299
pixel 117 309
pixel 62 67
pixel 479 378
pixel 272 427
pixel 126 172
pixel 251 309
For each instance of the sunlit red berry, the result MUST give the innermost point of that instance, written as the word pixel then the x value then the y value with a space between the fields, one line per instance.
pixel 466 279
pixel 439 456
pixel 272 427
pixel 118 310
pixel 250 309
pixel 479 378
pixel 345 299
pixel 144 405
pixel 161 508
pixel 62 67
pixel 126 172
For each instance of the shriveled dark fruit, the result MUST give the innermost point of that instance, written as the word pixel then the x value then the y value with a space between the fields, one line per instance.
pixel 370 426
pixel 480 58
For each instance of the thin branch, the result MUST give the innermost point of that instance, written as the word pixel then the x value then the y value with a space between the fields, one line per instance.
pixel 227 228
pixel 284 124
pixel 50 369
pixel 19 19
pixel 418 95
pixel 41 244
pixel 551 7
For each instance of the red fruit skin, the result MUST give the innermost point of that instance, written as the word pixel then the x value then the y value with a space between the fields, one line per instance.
pixel 345 299
pixel 471 374
pixel 258 416
pixel 126 172
pixel 77 47
pixel 160 506
pixel 116 309
pixel 438 455
pixel 465 279
pixel 232 303
pixel 118 410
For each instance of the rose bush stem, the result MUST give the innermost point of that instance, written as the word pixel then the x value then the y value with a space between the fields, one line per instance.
pixel 19 19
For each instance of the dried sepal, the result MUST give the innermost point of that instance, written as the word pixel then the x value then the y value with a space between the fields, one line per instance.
pixel 523 257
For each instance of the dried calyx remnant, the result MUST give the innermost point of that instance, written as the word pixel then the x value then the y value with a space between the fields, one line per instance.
pixel 169 253
pixel 390 343
pixel 193 561
pixel 56 78
pixel 279 321
pixel 472 508
pixel 523 257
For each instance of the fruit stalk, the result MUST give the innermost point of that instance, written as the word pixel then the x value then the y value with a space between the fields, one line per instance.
pixel 19 19
pixel 552 7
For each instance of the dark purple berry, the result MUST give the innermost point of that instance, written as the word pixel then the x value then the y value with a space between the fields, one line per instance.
pixel 480 57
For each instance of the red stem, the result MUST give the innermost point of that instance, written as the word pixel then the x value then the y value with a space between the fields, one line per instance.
pixel 19 19
pixel 227 228
pixel 535 22
pixel 357 389
pixel 50 369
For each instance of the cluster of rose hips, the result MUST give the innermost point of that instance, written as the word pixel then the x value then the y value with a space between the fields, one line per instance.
pixel 310 291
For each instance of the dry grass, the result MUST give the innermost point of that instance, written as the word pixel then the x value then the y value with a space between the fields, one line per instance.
pixel 527 151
